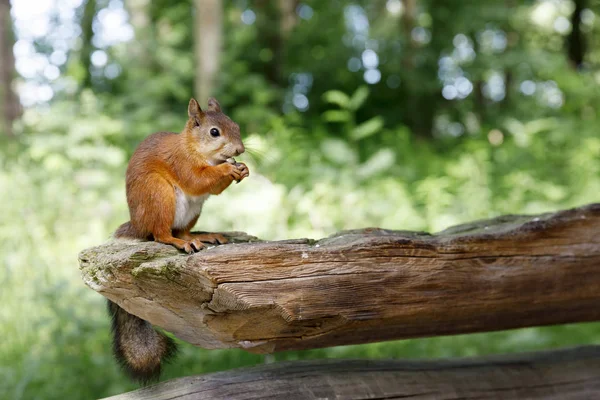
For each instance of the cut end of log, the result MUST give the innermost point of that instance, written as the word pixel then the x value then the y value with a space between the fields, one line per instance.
pixel 362 285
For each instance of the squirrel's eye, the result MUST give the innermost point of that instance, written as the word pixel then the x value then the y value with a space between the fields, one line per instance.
pixel 214 132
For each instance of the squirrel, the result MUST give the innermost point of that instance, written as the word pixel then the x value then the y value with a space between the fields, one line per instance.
pixel 169 176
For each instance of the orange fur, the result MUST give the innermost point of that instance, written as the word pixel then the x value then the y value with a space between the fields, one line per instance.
pixel 191 163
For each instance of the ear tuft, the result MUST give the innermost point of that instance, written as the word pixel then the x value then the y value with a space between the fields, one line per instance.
pixel 194 110
pixel 213 105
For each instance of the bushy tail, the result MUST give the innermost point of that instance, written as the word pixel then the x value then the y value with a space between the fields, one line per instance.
pixel 139 348
pixel 127 230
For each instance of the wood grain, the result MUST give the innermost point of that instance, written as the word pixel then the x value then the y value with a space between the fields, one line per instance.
pixel 361 286
pixel 572 374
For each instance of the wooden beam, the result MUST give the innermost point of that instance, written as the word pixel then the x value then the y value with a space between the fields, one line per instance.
pixel 565 374
pixel 361 286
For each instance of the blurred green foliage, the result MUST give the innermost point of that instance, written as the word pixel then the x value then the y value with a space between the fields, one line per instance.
pixel 419 149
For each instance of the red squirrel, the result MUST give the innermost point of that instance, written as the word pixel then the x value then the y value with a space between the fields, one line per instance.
pixel 168 178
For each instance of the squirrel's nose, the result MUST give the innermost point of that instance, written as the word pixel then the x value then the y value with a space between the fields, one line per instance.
pixel 239 150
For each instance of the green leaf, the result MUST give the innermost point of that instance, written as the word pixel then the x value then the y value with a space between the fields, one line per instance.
pixel 358 98
pixel 337 97
pixel 336 116
pixel 377 163
pixel 367 128
pixel 339 152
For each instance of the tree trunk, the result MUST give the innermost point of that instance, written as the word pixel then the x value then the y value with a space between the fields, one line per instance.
pixel 270 35
pixel 422 83
pixel 575 41
pixel 208 37
pixel 139 17
pixel 408 18
pixel 11 107
pixel 289 18
pixel 87 33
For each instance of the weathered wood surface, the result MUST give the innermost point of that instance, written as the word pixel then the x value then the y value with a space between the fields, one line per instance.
pixel 361 286
pixel 572 374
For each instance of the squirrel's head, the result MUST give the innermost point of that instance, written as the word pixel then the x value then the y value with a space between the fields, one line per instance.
pixel 213 134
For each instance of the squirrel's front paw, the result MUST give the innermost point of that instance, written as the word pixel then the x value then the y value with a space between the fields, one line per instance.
pixel 243 170
pixel 238 171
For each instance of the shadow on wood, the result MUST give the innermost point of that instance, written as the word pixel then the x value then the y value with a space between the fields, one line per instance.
pixel 361 286
pixel 565 374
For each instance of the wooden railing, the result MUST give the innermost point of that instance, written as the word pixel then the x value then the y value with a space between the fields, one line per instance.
pixel 572 374
pixel 364 285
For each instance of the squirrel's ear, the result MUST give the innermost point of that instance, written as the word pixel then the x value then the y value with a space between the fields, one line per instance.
pixel 194 110
pixel 213 105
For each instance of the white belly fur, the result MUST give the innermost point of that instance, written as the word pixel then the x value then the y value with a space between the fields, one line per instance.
pixel 186 208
